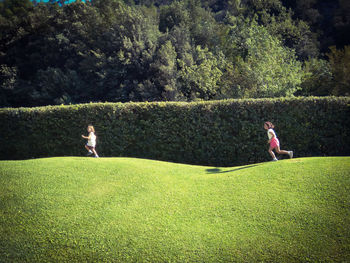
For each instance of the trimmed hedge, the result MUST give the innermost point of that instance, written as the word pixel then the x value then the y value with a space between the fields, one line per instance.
pixel 216 133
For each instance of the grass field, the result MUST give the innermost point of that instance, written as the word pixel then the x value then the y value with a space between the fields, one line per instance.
pixel 73 209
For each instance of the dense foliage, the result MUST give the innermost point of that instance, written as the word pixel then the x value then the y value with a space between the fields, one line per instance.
pixel 162 50
pixel 224 133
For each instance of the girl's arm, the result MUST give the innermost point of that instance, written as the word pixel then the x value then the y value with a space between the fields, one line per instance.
pixel 86 137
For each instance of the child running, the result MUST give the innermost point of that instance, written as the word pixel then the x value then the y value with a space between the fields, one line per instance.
pixel 91 144
pixel 274 142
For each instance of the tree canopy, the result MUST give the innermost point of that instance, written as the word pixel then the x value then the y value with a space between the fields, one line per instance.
pixel 58 52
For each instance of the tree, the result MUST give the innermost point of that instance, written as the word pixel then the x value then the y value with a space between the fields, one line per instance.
pixel 278 20
pixel 165 70
pixel 339 61
pixel 317 78
pixel 8 84
pixel 199 79
pixel 263 66
pixel 146 50
pixel 15 8
pixel 342 23
pixel 53 86
pixel 173 15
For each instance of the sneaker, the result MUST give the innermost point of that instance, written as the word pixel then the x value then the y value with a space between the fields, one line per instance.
pixel 89 153
pixel 274 160
pixel 96 156
pixel 290 154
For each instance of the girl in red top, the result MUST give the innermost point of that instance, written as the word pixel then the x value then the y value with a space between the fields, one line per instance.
pixel 274 142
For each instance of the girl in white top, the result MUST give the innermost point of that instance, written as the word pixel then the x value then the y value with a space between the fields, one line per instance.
pixel 274 142
pixel 91 144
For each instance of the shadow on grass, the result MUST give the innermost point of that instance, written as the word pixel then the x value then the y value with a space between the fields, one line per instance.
pixel 219 170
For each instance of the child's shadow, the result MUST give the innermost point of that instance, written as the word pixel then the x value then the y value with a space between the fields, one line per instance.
pixel 219 170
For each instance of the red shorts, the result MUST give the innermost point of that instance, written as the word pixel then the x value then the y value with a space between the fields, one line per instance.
pixel 274 143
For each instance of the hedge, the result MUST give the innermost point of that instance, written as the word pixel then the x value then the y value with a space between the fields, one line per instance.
pixel 216 133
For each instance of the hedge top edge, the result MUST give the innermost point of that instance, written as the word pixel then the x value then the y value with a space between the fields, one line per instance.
pixel 180 103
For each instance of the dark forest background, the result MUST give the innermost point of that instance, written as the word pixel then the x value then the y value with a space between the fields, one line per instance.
pixel 162 50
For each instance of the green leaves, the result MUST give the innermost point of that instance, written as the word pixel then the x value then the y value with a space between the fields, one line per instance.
pixel 200 80
pixel 160 50
pixel 265 68
pixel 221 133
pixel 339 61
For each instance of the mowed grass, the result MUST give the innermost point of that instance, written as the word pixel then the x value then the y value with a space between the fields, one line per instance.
pixel 75 209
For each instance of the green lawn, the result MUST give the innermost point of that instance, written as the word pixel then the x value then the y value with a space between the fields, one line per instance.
pixel 75 209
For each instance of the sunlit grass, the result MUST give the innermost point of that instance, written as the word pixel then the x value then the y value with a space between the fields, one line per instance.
pixel 133 210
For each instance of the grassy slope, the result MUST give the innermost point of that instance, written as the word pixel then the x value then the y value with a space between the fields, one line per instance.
pixel 121 209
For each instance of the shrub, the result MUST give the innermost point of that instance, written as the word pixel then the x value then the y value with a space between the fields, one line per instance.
pixel 217 133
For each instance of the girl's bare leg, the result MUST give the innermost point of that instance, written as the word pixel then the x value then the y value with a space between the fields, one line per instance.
pixel 87 148
pixel 272 153
pixel 281 151
pixel 94 151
